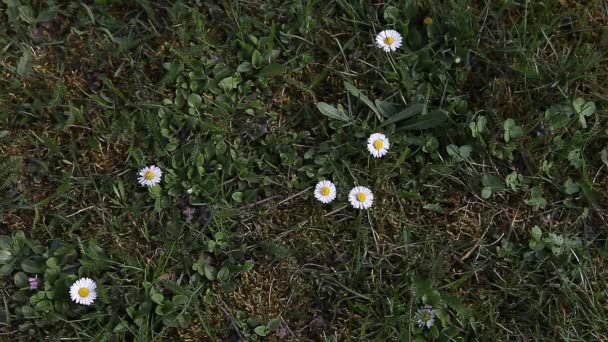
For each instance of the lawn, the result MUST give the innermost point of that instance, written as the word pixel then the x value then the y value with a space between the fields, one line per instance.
pixel 489 179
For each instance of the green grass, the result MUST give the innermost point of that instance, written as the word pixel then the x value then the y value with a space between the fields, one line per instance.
pixel 499 227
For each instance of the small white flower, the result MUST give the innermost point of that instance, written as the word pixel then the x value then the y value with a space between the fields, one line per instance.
pixel 389 40
pixel 150 176
pixel 83 291
pixel 425 317
pixel 325 191
pixel 457 60
pixel 378 145
pixel 361 197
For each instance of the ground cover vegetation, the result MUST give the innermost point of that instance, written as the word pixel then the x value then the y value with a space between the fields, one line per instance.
pixel 479 212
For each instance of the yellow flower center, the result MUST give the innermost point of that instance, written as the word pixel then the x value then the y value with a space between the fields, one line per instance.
pixel 428 20
pixel 389 40
pixel 149 175
pixel 378 144
pixel 83 292
pixel 325 191
pixel 361 197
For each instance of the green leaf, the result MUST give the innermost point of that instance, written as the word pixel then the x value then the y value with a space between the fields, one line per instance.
pixel 224 274
pixel 256 59
pixel 210 272
pixel 433 119
pixel 47 15
pixel 180 300
pixel 516 132
pixel 20 280
pixel 486 192
pixel 604 156
pixel 536 197
pixel 32 265
pixel 407 113
pixel 122 326
pixel 583 109
pixel 575 158
pixel 272 69
pixel 391 14
pixel 570 187
pixel 194 100
pixel 492 181
pixel 478 126
pixel 5 257
pixel 387 109
pixel 274 324
pixel 237 197
pixel 229 83
pixel 332 112
pixel 536 233
pixel 354 91
pixel 158 298
pixel 459 153
pixel 450 332
pixel 262 330
pixel 24 67
pixel 247 266
pixel 26 14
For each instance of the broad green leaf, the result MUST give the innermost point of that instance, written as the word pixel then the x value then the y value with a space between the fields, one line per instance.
pixel 536 233
pixel 332 112
pixel 493 182
pixel 180 300
pixel 24 67
pixel 47 15
pixel 516 132
pixel 486 192
pixel 223 274
pixel 570 187
pixel 20 280
pixel 256 59
pixel 262 330
pixel 5 257
pixel 604 156
pixel 158 298
pixel 407 113
pixel 583 109
pixel 194 100
pixel 272 69
pixel 32 265
pixel 387 109
pixel 229 83
pixel 391 14
pixel 210 272
pixel 431 120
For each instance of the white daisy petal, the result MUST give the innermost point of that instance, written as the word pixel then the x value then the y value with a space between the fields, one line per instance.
pixel 150 176
pixel 83 291
pixel 425 316
pixel 378 145
pixel 389 40
pixel 361 197
pixel 325 191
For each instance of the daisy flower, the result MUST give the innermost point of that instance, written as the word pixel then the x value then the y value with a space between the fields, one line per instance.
pixel 361 197
pixel 389 40
pixel 325 191
pixel 150 176
pixel 425 317
pixel 83 291
pixel 378 145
